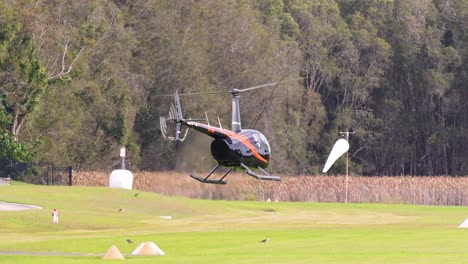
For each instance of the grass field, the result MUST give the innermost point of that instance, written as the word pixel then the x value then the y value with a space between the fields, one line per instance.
pixel 204 231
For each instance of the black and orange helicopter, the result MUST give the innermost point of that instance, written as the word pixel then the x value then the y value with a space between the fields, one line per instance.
pixel 238 148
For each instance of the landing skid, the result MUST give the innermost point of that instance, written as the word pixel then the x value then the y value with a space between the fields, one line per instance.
pixel 206 180
pixel 265 177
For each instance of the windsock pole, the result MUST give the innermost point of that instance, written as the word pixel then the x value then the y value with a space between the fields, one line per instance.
pixel 347 133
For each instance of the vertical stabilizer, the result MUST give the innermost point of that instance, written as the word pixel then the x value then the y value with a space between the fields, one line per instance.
pixel 179 117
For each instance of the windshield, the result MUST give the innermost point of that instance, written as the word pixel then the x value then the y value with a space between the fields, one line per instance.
pixel 264 143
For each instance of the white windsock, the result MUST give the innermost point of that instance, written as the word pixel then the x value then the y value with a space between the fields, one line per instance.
pixel 340 148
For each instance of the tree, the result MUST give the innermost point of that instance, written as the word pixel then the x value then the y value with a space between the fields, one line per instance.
pixel 87 113
pixel 22 77
pixel 11 151
pixel 90 74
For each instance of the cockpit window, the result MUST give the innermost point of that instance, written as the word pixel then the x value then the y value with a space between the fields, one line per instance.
pixel 264 143
pixel 256 141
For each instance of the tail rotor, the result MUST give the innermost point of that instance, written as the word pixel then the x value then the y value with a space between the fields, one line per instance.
pixel 174 117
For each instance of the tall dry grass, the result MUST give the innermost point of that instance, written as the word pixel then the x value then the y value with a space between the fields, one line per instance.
pixel 444 190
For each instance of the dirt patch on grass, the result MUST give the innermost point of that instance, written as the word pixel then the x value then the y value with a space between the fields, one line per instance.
pixel 17 207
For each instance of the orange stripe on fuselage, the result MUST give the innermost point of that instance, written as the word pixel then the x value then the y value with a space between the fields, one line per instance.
pixel 221 130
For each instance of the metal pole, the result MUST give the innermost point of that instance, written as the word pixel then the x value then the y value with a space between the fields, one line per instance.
pixel 122 163
pixel 347 175
pixel 70 175
pixel 47 173
pixel 122 158
pixel 52 175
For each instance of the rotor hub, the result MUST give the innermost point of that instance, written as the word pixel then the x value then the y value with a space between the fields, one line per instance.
pixel 235 92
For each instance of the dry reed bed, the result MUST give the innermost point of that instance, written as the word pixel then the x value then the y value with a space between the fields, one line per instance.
pixel 442 190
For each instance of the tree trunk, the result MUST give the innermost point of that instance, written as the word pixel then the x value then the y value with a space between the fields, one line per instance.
pixel 18 121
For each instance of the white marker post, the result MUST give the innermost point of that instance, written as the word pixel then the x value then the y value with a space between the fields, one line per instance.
pixel 55 218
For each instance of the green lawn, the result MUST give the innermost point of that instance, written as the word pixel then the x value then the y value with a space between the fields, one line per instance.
pixel 203 231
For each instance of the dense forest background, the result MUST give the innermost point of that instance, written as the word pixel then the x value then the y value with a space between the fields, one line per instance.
pixel 79 79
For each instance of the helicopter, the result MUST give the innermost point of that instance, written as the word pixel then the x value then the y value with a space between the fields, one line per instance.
pixel 237 148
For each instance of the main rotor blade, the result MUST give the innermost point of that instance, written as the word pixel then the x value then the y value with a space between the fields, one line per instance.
pixel 201 93
pixel 241 90
pixel 268 84
pixel 226 92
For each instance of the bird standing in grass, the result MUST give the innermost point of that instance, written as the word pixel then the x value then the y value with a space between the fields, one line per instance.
pixel 129 240
pixel 265 240
pixel 136 194
pixel 121 210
